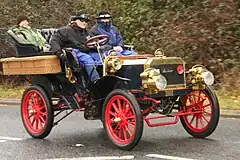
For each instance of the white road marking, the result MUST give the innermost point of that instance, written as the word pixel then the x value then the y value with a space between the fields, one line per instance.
pixel 1 141
pixel 11 138
pixel 80 145
pixel 167 157
pixel 95 158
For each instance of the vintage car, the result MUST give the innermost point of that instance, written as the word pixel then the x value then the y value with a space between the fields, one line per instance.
pixel 131 90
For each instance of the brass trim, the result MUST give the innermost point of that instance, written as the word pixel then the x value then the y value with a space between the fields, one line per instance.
pixel 176 86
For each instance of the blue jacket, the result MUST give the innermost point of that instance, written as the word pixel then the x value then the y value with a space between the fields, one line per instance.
pixel 115 38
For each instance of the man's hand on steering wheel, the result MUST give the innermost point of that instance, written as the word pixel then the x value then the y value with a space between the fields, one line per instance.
pixel 118 49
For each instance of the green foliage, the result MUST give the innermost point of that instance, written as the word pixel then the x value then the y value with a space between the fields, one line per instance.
pixel 200 31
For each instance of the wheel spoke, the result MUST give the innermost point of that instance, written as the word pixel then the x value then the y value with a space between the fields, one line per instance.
pixel 43 113
pixel 120 133
pixel 124 107
pixel 192 119
pixel 206 105
pixel 41 119
pixel 130 117
pixel 30 102
pixel 197 122
pixel 205 118
pixel 113 114
pixel 131 123
pixel 119 105
pixel 30 116
pixel 207 113
pixel 35 99
pixel 115 108
pixel 33 120
pixel 41 107
pixel 201 121
pixel 40 126
pixel 127 109
pixel 115 129
pixel 37 123
pixel 124 134
pixel 128 130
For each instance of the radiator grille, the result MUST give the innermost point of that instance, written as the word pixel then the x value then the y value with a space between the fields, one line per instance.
pixel 169 71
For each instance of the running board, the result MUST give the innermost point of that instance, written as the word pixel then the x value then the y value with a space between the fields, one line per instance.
pixel 175 121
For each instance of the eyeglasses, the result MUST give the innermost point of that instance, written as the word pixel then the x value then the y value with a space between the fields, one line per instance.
pixel 83 20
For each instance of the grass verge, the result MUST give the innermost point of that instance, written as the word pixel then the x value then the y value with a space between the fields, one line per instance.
pixel 226 101
pixel 11 91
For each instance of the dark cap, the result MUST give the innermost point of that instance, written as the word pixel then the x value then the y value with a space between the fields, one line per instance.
pixel 21 18
pixel 80 16
pixel 104 14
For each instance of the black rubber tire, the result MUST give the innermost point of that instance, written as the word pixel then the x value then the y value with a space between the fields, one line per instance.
pixel 50 113
pixel 214 120
pixel 139 118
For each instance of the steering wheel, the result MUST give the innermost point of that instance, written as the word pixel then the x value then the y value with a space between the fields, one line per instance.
pixel 94 41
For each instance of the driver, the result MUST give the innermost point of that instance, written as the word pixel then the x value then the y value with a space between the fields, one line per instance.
pixel 74 36
pixel 104 26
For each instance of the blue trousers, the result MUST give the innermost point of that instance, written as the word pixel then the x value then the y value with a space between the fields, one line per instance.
pixel 89 61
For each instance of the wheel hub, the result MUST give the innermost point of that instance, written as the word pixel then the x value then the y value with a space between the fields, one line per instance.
pixel 118 119
pixel 33 112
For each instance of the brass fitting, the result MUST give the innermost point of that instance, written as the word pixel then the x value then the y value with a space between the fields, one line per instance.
pixel 195 77
pixel 112 64
pixel 149 77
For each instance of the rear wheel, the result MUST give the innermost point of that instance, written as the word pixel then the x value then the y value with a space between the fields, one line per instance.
pixel 37 112
pixel 122 119
pixel 204 123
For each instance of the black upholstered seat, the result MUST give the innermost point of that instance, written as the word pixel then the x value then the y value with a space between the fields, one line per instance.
pixel 25 49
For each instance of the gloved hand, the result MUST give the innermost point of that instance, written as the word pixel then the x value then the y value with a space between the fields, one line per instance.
pixel 118 48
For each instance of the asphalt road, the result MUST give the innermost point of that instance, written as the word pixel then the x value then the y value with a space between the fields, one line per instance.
pixel 76 139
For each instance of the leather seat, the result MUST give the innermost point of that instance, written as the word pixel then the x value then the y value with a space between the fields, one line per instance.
pixel 25 49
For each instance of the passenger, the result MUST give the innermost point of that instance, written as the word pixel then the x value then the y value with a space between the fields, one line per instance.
pixel 104 26
pixel 28 34
pixel 74 36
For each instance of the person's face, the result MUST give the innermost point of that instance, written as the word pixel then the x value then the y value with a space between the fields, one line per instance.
pixel 24 23
pixel 81 23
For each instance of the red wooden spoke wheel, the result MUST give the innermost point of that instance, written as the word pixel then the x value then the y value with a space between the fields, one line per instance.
pixel 36 111
pixel 204 121
pixel 122 119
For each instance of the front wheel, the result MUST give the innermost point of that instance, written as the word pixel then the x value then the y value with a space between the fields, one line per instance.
pixel 37 112
pixel 122 119
pixel 204 121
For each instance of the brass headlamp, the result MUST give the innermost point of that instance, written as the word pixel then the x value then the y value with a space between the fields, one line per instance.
pixel 198 77
pixel 112 64
pixel 152 80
